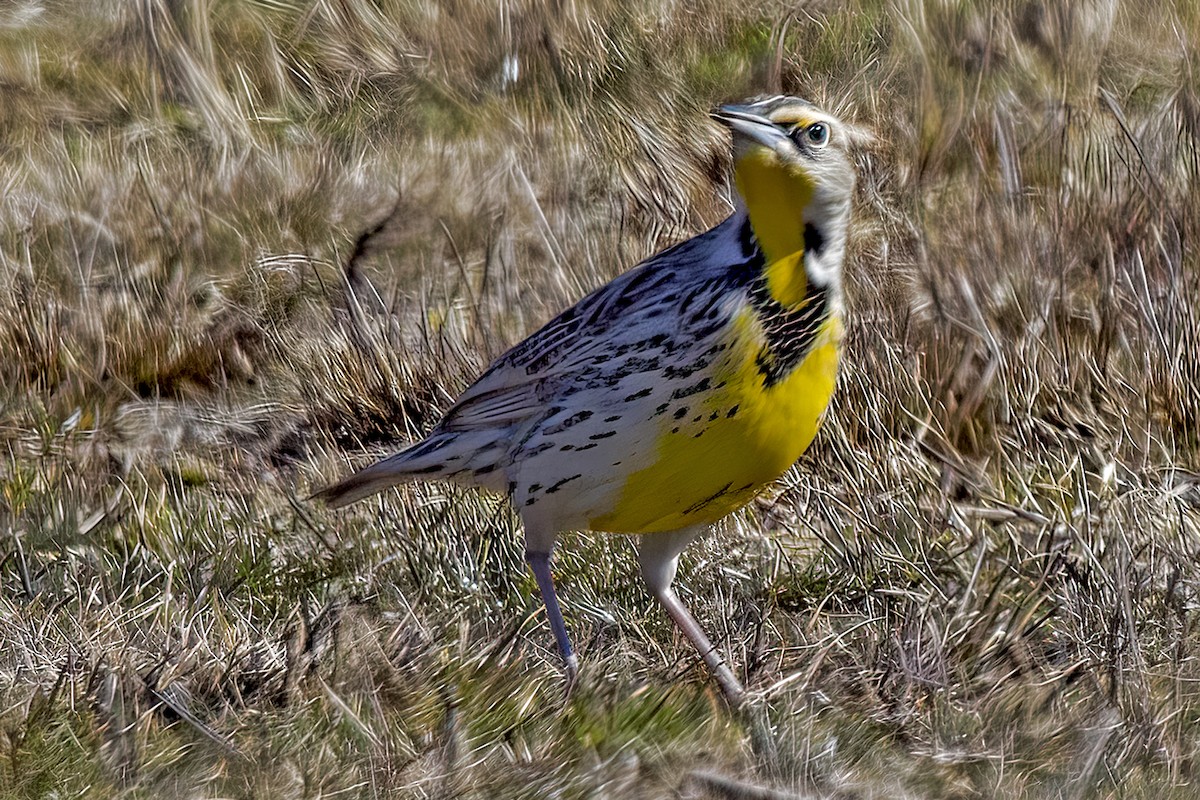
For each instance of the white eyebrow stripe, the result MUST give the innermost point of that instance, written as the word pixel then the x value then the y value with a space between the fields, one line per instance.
pixel 768 101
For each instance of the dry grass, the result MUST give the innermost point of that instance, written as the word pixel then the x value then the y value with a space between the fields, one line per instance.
pixel 242 241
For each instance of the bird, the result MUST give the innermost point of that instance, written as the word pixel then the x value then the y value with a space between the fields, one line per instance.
pixel 670 397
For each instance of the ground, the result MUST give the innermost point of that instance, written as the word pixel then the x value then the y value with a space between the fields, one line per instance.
pixel 247 245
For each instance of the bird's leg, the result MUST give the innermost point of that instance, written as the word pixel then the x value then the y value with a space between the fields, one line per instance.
pixel 712 657
pixel 659 557
pixel 539 562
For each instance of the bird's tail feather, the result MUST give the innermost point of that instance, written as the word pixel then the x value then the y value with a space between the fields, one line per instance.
pixel 366 482
pixel 433 458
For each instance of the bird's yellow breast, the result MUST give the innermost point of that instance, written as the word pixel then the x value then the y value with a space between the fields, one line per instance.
pixel 733 441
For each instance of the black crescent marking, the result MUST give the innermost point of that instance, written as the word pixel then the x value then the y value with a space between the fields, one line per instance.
pixel 790 331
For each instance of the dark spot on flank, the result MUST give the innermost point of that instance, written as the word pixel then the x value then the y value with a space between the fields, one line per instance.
pixel 562 483
pixel 713 416
pixel 661 409
pixel 604 435
pixel 698 418
pixel 680 413
pixel 635 364
pixel 530 501
pixel 616 463
pixel 569 422
pixel 484 470
pixel 697 506
pixel 731 413
pixel 698 434
pixel 639 394
pixel 566 447
pixel 588 446
pixel 688 391
pixel 613 418
pixel 535 487
pixel 675 430
pixel 428 470
pixel 673 372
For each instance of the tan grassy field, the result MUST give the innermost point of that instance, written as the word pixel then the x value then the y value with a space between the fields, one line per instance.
pixel 244 245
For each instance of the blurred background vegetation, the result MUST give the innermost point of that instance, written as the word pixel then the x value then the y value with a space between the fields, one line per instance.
pixel 242 243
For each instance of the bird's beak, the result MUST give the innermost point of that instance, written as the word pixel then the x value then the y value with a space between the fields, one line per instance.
pixel 754 127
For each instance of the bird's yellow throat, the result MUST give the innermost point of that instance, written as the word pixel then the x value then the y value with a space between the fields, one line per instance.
pixel 776 196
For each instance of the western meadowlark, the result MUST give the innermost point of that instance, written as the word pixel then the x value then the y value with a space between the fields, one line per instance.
pixel 668 398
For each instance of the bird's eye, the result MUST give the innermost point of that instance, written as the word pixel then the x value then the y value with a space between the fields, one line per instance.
pixel 817 134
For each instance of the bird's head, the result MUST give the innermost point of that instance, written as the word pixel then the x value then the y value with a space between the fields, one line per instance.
pixel 793 171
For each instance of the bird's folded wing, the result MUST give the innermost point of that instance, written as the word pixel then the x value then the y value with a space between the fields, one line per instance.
pixel 483 407
pixel 527 381
pixel 578 347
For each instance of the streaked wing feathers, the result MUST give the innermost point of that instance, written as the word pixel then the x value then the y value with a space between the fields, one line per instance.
pixel 607 324
pixel 482 406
